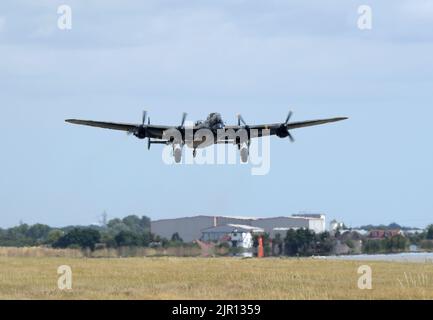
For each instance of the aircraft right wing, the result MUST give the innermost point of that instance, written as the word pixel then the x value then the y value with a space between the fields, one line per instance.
pixel 155 131
pixel 105 125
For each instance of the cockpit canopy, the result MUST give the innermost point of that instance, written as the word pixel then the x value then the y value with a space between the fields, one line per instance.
pixel 214 118
pixel 213 121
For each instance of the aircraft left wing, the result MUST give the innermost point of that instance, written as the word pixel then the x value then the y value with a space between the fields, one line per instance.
pixel 273 127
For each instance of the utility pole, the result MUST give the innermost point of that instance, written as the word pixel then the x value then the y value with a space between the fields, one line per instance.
pixel 103 220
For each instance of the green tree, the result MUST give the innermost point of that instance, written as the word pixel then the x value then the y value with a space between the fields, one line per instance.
pixel 136 224
pixel 291 243
pixel 54 235
pixel 82 237
pixel 277 245
pixel 127 239
pixel 176 237
pixel 373 246
pixel 429 232
pixel 395 243
pixel 38 232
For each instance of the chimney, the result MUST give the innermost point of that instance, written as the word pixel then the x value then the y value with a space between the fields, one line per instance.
pixel 215 221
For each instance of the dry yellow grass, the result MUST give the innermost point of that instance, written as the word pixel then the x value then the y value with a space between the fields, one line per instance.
pixel 99 253
pixel 39 252
pixel 211 278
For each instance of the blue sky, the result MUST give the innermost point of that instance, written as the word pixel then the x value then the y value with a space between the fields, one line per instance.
pixel 259 58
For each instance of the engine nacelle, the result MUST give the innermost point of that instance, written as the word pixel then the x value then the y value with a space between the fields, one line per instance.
pixel 140 132
pixel 282 132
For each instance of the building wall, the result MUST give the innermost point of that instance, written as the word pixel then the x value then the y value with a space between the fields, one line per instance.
pixel 189 228
pixel 317 225
pixel 268 224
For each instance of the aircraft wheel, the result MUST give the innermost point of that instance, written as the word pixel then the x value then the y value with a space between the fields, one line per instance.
pixel 244 155
pixel 178 155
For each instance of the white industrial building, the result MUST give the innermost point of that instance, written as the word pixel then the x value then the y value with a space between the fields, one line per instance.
pixel 191 228
pixel 239 236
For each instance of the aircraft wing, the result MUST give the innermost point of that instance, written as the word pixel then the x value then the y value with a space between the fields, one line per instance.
pixel 156 131
pixel 310 123
pixel 290 126
pixel 105 125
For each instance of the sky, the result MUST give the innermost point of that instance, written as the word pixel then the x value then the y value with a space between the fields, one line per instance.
pixel 258 58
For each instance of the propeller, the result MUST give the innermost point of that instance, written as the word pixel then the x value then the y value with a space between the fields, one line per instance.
pixel 144 117
pixel 282 131
pixel 140 131
pixel 184 115
pixel 240 119
pixel 288 118
pixel 148 139
pixel 290 136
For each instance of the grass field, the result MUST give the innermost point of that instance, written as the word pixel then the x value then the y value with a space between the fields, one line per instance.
pixel 211 278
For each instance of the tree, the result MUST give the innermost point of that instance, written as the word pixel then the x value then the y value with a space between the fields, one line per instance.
pixel 136 224
pixel 395 243
pixel 176 237
pixel 17 236
pixel 306 242
pixel 373 246
pixel 38 232
pixel 429 233
pixel 116 225
pixel 54 236
pixel 127 239
pixel 394 225
pixel 82 237
pixel 291 243
pixel 109 239
pixel 277 245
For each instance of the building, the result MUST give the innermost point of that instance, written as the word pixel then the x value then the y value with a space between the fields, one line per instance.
pixel 381 234
pixel 238 236
pixel 334 225
pixel 317 221
pixel 280 225
pixel 190 228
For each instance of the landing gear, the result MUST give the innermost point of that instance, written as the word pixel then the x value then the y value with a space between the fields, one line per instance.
pixel 177 153
pixel 244 151
pixel 194 152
